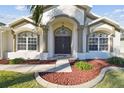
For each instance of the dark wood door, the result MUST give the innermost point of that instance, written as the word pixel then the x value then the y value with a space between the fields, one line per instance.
pixel 62 45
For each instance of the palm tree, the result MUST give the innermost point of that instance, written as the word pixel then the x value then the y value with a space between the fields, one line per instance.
pixel 37 13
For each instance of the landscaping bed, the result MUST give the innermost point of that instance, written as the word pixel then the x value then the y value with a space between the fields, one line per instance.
pixel 77 76
pixel 4 61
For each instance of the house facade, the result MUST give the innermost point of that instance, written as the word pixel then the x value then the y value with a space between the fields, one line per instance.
pixel 64 30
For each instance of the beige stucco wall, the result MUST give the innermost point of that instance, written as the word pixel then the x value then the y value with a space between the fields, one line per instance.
pixel 102 27
pixel 9 41
pixel 122 46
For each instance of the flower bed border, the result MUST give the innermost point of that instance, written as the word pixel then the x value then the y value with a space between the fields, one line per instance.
pixel 88 84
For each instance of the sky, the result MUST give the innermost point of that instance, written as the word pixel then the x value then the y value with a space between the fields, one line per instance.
pixel 12 12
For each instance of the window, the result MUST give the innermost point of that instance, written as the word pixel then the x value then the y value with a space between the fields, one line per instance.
pixel 62 31
pixel 122 36
pixel 98 42
pixel 27 41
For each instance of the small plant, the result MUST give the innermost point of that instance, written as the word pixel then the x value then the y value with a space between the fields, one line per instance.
pixel 116 61
pixel 16 61
pixel 83 65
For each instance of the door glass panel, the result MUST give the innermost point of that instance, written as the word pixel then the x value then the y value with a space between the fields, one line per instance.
pixel 62 41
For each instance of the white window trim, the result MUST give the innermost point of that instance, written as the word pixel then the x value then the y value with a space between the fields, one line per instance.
pixel 26 45
pixel 109 36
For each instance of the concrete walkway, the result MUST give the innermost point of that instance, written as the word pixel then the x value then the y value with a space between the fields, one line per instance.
pixel 60 66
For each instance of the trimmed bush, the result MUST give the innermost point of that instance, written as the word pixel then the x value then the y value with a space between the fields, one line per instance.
pixel 116 61
pixel 83 65
pixel 16 61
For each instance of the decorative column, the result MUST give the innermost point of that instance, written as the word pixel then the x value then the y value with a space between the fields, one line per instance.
pixel 75 41
pixel 80 39
pixel 45 38
pixel 14 40
pixel 85 39
pixel 50 42
pixel 38 42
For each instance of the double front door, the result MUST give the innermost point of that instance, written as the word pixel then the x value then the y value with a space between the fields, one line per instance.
pixel 62 45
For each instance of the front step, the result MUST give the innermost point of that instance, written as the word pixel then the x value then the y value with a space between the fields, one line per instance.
pixel 62 65
pixel 56 57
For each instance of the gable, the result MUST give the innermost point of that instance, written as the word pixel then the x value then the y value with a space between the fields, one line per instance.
pixel 71 11
pixel 21 21
pixel 103 27
pixel 22 25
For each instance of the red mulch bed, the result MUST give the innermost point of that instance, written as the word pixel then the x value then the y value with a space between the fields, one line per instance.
pixel 76 76
pixel 4 61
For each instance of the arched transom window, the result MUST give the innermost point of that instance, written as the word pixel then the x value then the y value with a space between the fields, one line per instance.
pixel 98 42
pixel 63 31
pixel 27 41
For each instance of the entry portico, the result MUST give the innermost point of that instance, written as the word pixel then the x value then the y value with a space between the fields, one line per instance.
pixel 62 33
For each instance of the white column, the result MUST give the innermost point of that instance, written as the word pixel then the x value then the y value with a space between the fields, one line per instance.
pixel 50 42
pixel 109 44
pixel 74 41
pixel 41 41
pixel 116 43
pixel 84 40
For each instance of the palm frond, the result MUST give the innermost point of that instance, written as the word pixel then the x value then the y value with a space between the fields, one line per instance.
pixel 37 13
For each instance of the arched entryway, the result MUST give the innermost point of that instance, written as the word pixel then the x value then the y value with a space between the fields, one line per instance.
pixel 63 40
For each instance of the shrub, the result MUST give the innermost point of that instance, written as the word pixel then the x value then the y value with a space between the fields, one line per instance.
pixel 16 61
pixel 116 61
pixel 83 65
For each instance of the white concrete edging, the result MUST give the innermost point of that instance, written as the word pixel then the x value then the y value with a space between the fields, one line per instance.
pixel 89 84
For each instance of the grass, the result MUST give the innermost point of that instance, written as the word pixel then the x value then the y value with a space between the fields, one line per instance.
pixel 112 79
pixel 9 79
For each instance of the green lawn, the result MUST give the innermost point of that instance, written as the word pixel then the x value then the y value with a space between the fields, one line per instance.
pixel 112 79
pixel 17 80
